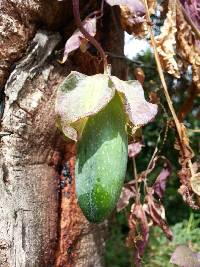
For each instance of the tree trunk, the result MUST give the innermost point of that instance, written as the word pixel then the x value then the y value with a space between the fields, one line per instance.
pixel 40 221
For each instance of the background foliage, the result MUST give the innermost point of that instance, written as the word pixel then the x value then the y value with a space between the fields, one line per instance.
pixel 183 221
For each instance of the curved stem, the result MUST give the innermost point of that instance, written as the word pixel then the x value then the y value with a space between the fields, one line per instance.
pixel 87 35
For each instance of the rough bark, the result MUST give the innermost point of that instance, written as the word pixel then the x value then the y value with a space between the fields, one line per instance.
pixel 29 197
pixel 40 223
pixel 19 21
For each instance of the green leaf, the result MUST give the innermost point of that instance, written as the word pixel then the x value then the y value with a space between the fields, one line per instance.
pixel 80 96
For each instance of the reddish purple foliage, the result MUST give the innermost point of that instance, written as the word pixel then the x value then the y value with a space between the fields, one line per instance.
pixel 138 236
pixel 156 212
pixel 160 183
pixel 137 6
pixel 192 9
pixel 127 193
pixel 134 149
pixel 183 256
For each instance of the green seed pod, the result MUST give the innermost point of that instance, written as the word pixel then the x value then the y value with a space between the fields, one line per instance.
pixel 101 161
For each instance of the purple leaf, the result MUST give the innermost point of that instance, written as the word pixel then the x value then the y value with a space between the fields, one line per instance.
pixel 157 213
pixel 183 256
pixel 127 193
pixel 138 236
pixel 136 5
pixel 77 39
pixel 134 149
pixel 160 183
pixel 192 9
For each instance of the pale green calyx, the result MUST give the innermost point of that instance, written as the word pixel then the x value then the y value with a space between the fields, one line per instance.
pixel 81 96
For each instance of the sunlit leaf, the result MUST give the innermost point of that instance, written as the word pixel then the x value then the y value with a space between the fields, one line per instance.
pixel 80 96
pixel 78 40
pixel 138 109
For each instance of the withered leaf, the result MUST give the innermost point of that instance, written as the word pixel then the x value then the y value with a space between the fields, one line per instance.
pixel 134 149
pixel 195 183
pixel 139 75
pixel 166 41
pixel 150 167
pixel 139 232
pixel 128 192
pixel 188 197
pixel 183 256
pixel 185 174
pixel 78 40
pixel 137 6
pixel 160 183
pixel 187 46
pixel 192 9
pixel 132 16
pixel 157 213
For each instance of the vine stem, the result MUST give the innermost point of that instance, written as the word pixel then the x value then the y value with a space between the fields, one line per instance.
pixel 165 89
pixel 137 200
pixel 92 40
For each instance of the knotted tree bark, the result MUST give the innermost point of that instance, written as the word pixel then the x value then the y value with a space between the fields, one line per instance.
pixel 40 221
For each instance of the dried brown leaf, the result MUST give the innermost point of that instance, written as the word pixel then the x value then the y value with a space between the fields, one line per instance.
pixel 195 183
pixel 133 15
pixel 192 9
pixel 139 75
pixel 136 6
pixel 139 232
pixel 187 46
pixel 166 41
pixel 157 213
pixel 154 97
pixel 132 23
pixel 151 6
pixel 187 172
pixel 188 198
pixel 150 168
